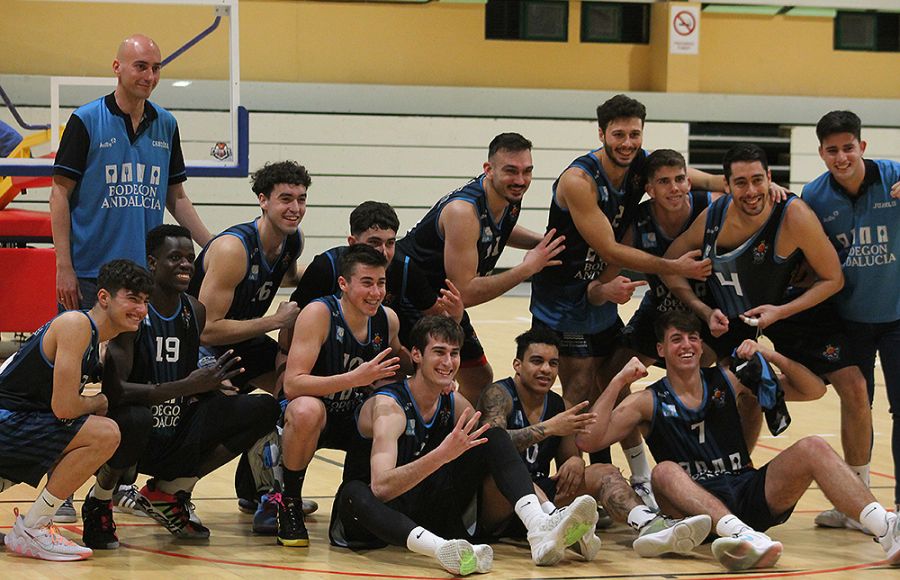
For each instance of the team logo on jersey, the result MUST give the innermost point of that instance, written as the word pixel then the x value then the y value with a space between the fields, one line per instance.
pixel 486 234
pixel 832 353
pixel 514 211
pixel 376 341
pixel 339 333
pixel 759 253
pixel 254 272
pixel 669 410
pixel 649 239
pixel 718 397
pixel 186 315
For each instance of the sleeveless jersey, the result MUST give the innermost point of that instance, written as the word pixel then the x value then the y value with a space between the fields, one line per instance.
pixel 424 243
pixel 26 378
pixel 420 436
pixel 751 274
pixel 255 293
pixel 706 441
pixel 866 233
pixel 166 350
pixel 342 352
pixel 558 294
pixel 537 457
pixel 650 238
pixel 122 189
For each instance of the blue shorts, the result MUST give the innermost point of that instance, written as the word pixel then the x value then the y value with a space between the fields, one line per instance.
pixel 32 442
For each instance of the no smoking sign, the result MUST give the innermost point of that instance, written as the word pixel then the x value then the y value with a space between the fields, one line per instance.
pixel 684 32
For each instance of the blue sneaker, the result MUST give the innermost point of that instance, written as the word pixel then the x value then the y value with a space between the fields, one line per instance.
pixel 265 520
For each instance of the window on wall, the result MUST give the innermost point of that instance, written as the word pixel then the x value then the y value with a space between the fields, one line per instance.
pixel 615 22
pixel 546 20
pixel 872 31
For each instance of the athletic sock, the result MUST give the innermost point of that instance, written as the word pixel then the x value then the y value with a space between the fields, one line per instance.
pixel 637 462
pixel 98 492
pixel 862 472
pixel 731 525
pixel 548 507
pixel 529 510
pixel 42 510
pixel 875 518
pixel 421 541
pixel 293 482
pixel 173 486
pixel 639 516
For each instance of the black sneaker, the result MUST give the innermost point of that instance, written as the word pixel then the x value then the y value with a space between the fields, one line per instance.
pixel 174 512
pixel 291 529
pixel 98 525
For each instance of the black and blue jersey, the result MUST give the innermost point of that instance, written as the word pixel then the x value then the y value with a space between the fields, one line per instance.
pixel 342 352
pixel 707 440
pixel 538 456
pixel 255 293
pixel 166 349
pixel 26 378
pixel 424 243
pixel 751 274
pixel 650 238
pixel 420 436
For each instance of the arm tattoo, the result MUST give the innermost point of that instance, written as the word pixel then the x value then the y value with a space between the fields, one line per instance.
pixel 495 405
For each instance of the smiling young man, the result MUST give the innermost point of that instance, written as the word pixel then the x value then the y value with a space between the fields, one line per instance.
pixel 176 426
pixel 756 247
pixel 119 165
pixel 594 202
pixel 462 236
pixel 858 202
pixel 544 430
pixel 343 346
pixel 427 465
pixel 691 423
pixel 46 422
pixel 239 272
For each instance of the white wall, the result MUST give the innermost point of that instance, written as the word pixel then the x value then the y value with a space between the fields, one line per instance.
pixel 407 161
pixel 806 164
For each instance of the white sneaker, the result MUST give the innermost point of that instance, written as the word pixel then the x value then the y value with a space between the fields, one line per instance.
pixel 588 546
pixel 662 535
pixel 45 543
pixel 554 532
pixel 461 558
pixel 891 540
pixel 836 519
pixel 125 500
pixel 66 513
pixel 749 549
pixel 643 490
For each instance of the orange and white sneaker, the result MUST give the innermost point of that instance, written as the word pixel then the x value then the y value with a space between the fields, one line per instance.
pixel 45 543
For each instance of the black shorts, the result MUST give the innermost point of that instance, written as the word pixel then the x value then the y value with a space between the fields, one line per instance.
pixel 814 338
pixel 438 504
pixel 214 420
pixel 744 495
pixel 576 345
pixel 257 358
pixel 32 442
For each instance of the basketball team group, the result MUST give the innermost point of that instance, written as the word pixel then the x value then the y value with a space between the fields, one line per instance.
pixel 376 355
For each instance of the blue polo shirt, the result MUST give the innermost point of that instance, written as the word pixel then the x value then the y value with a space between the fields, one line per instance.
pixel 865 230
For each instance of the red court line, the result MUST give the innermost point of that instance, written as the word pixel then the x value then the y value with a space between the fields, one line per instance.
pixel 770 448
pixel 273 566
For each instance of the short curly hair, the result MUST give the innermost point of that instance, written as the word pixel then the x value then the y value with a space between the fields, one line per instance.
pixel 122 273
pixel 264 179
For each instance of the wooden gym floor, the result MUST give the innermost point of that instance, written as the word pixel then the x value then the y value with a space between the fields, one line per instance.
pixel 148 551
